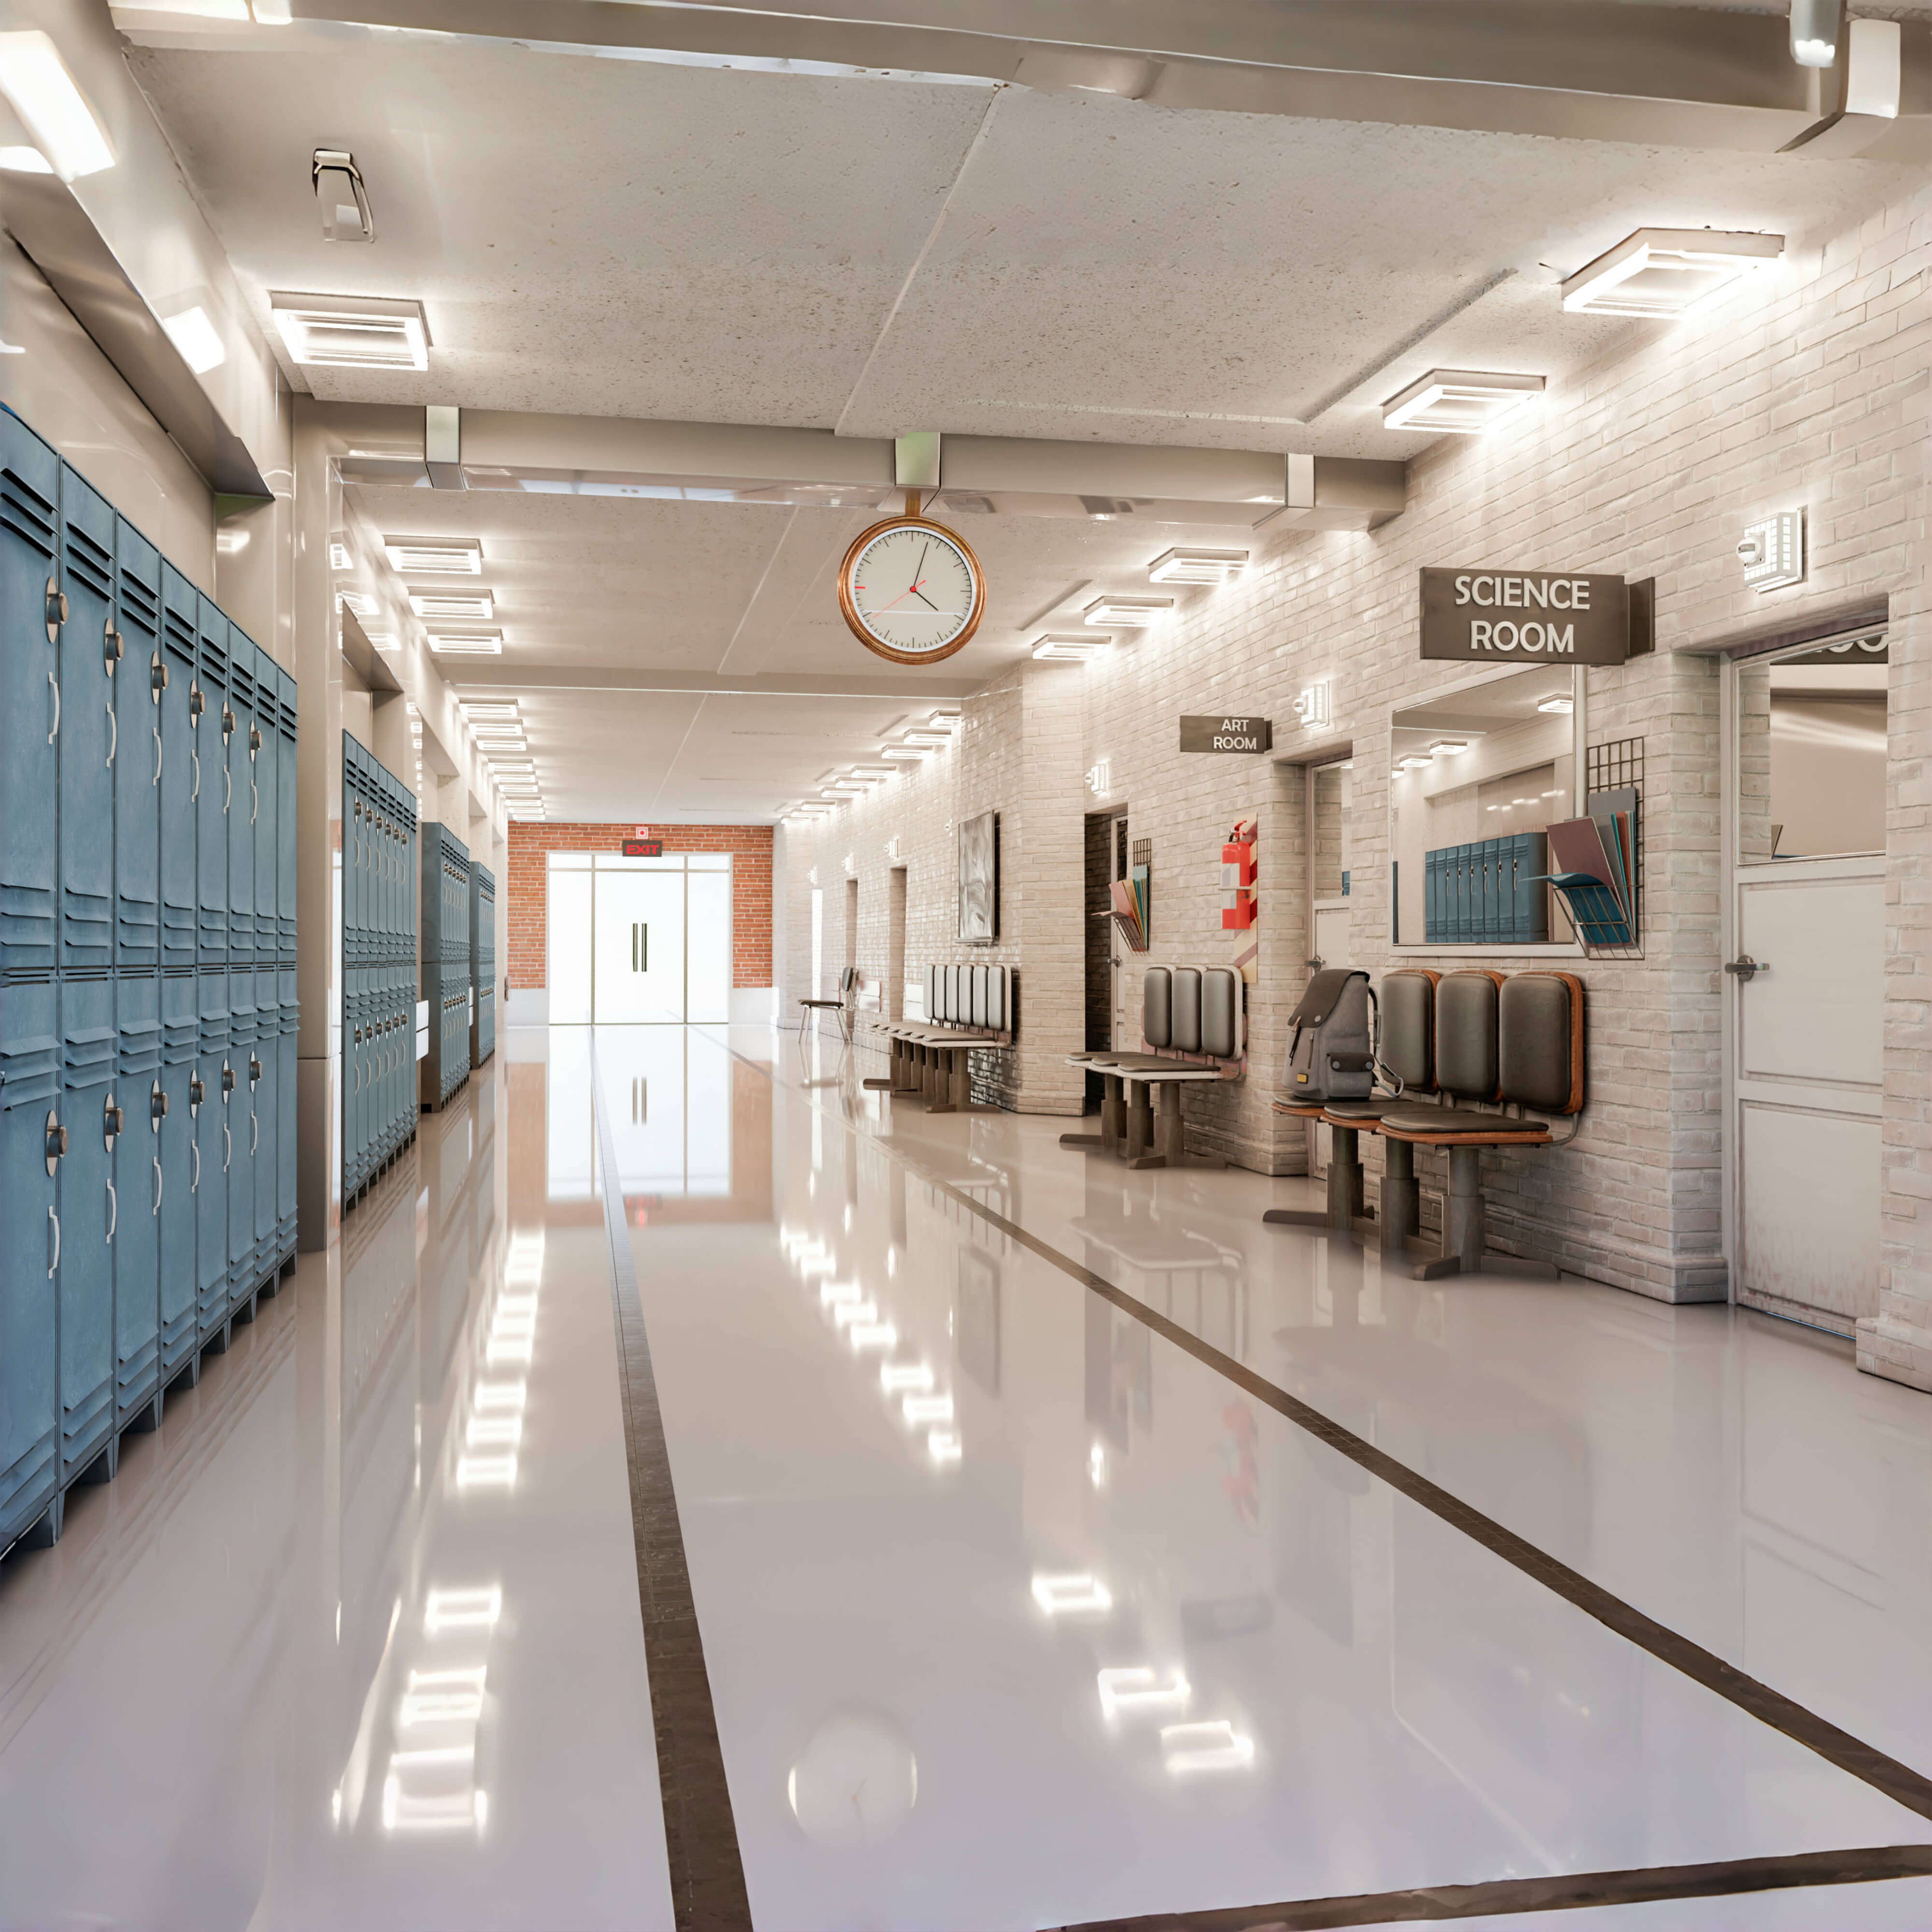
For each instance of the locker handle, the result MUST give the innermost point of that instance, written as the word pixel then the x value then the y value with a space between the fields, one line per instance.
pixel 54 1263
pixel 227 1147
pixel 161 1184
pixel 113 1211
pixel 53 684
pixel 195 755
pixel 56 1143
pixel 254 801
pixel 113 732
pixel 194 1184
pixel 113 646
pixel 254 1132
pixel 227 788
pixel 157 677
pixel 157 778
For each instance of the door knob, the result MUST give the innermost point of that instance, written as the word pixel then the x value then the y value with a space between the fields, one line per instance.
pixel 1745 968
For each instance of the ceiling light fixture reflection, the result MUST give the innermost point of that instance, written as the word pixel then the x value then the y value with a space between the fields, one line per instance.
pixel 897 1378
pixel 493 1432
pixel 34 78
pixel 501 1398
pixel 873 1335
pixel 487 1472
pixel 1133 613
pixel 435 557
pixel 197 338
pixel 463 1609
pixel 922 1408
pixel 443 1697
pixel 1460 402
pixel 1662 273
pixel 1214 1745
pixel 1079 1593
pixel 352 331
pixel 1136 1687
pixel 845 1313
pixel 1197 566
pixel 944 1446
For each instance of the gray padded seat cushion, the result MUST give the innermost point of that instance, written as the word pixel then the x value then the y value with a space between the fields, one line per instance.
pixel 1408 1043
pixel 1465 1035
pixel 1534 1059
pixel 1359 1110
pixel 1157 1006
pixel 1455 1121
pixel 1220 1009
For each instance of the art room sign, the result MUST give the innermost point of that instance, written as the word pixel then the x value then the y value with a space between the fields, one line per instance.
pixel 1227 734
pixel 1525 616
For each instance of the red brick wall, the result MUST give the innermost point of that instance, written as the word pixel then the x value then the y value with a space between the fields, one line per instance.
pixel 532 841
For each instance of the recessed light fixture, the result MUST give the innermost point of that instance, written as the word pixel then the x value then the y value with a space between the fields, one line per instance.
pixel 931 741
pixel 1197 566
pixel 1814 31
pixel 1665 272
pixel 906 754
pixel 1458 402
pixel 34 77
pixel 201 346
pixel 470 644
pixel 435 557
pixel 1447 747
pixel 1136 613
pixel 1772 552
pixel 1060 649
pixel 459 606
pixel 1559 706
pixel 339 558
pixel 503 708
pixel 352 332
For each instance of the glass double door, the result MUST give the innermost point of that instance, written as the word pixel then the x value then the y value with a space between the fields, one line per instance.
pixel 640 941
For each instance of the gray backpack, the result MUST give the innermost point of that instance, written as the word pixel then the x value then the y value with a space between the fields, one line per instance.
pixel 1331 1053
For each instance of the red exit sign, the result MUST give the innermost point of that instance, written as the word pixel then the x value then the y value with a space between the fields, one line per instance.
pixel 644 848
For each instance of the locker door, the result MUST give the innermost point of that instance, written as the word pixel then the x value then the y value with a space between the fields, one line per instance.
pixel 268 1115
pixel 285 1115
pixel 29 1094
pixel 175 1149
pixel 210 1099
pixel 179 741
pixel 138 1189
pixel 134 687
pixel 29 667
pixel 244 1132
pixel 209 705
pixel 264 796
pixel 88 735
pixel 285 820
pixel 244 735
pixel 89 1216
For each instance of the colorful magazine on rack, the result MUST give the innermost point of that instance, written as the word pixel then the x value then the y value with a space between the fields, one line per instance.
pixel 1592 866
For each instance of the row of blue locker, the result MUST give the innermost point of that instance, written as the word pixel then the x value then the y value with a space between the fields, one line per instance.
pixel 483 962
pixel 1491 890
pixel 379 1073
pixel 147 1195
pixel 448 972
pixel 379 863
pixel 147 747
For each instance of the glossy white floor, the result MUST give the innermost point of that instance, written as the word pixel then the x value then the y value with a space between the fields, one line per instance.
pixel 1015 1613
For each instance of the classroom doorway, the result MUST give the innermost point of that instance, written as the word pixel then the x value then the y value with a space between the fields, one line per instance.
pixel 639 941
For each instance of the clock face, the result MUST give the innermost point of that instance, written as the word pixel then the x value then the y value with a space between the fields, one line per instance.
pixel 911 590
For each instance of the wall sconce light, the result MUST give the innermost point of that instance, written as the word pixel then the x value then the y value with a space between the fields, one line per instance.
pixel 1772 551
pixel 1316 705
pixel 1100 778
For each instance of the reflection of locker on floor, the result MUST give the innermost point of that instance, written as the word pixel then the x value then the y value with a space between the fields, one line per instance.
pixel 148 1010
pixel 445 962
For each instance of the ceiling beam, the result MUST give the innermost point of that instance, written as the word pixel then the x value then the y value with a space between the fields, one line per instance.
pixel 1593 69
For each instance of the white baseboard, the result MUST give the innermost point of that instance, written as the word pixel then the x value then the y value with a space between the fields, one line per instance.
pixel 754 1006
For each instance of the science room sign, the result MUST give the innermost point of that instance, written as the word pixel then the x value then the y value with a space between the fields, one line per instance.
pixel 1525 616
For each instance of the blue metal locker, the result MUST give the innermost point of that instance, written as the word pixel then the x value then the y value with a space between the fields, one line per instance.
pixel 244 737
pixel 181 603
pixel 287 1044
pixel 286 900
pixel 138 1190
pixel 180 1159
pixel 244 1132
pixel 135 688
pixel 211 1098
pixel 29 1207
pixel 89 1213
pixel 265 802
pixel 29 674
pixel 212 785
pixel 268 1116
pixel 87 732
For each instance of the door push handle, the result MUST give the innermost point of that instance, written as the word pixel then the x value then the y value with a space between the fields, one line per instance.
pixel 53 685
pixel 1744 968
pixel 113 1211
pixel 53 1261
pixel 113 732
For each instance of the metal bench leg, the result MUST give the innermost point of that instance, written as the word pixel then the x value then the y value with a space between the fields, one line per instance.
pixel 1401 1205
pixel 1345 1191
pixel 962 1078
pixel 1140 1120
pixel 1464 1232
pixel 1108 1140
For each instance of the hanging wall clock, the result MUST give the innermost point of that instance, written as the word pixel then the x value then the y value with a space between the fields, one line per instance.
pixel 911 590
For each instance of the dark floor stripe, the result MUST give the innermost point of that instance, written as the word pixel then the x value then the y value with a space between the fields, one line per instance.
pixel 1576 1892
pixel 1897 1781
pixel 707 1873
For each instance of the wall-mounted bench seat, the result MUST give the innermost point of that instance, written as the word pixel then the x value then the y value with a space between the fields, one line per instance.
pixel 969 1008
pixel 1479 1061
pixel 1194 1026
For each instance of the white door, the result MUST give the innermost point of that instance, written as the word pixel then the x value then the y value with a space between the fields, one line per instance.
pixel 1331 935
pixel 567 925
pixel 1807 982
pixel 639 946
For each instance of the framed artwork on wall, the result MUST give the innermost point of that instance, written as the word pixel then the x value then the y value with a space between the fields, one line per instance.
pixel 979 880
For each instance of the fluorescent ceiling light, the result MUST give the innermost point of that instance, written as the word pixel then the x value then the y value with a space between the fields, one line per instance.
pixel 352 332
pixel 1136 1687
pixel 1560 706
pixel 1447 747
pixel 201 345
pixel 435 557
pixel 1458 402
pixel 931 741
pixel 1665 272
pixel 476 607
pixel 1136 612
pixel 24 161
pixel 34 77
pixel 906 754
pixel 476 644
pixel 1197 566
pixel 489 707
pixel 943 720
pixel 1052 650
